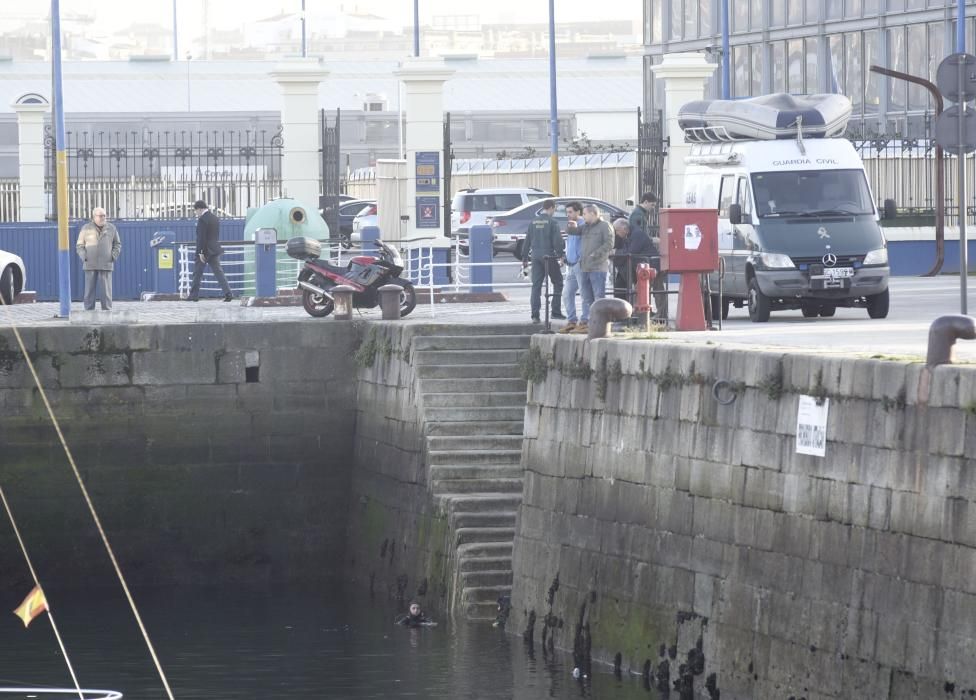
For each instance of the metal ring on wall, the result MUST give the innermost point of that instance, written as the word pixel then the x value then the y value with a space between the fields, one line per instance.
pixel 729 398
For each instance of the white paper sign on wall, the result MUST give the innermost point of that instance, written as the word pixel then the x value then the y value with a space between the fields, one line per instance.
pixel 693 237
pixel 811 426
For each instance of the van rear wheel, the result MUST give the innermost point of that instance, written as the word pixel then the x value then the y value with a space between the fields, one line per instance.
pixel 827 310
pixel 878 305
pixel 759 303
pixel 810 310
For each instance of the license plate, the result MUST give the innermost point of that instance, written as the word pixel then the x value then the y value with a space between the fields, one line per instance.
pixel 830 283
pixel 838 272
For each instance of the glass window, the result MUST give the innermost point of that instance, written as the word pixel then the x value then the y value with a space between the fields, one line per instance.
pixel 853 8
pixel 872 57
pixel 779 65
pixel 382 131
pixel 677 16
pixel 871 7
pixel 936 47
pixel 745 198
pixel 896 6
pixel 757 68
pixel 795 72
pixel 727 195
pixel 897 93
pixel 810 57
pixel 837 63
pixel 810 191
pixel 691 17
pixel 740 16
pixel 834 9
pixel 534 130
pixel 795 12
pixel 916 4
pixel 705 19
pixel 656 33
pixel 812 11
pixel 777 12
pixel 741 84
pixel 854 83
pixel 917 57
pixel 757 14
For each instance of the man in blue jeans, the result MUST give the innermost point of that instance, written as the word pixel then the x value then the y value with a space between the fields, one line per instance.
pixel 596 244
pixel 574 227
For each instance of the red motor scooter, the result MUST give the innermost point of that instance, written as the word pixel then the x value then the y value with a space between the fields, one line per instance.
pixel 364 273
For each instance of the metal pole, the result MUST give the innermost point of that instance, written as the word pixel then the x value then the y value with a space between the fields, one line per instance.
pixel 61 164
pixel 963 208
pixel 961 26
pixel 726 77
pixel 304 42
pixel 176 36
pixel 416 28
pixel 553 118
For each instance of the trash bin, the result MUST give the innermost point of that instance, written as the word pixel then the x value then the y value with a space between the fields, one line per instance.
pixel 165 269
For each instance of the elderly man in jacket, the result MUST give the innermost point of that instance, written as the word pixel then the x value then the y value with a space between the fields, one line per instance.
pixel 596 243
pixel 98 247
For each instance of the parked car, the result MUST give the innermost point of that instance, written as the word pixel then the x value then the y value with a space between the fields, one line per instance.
pixel 13 276
pixel 348 211
pixel 472 207
pixel 509 228
pixel 366 217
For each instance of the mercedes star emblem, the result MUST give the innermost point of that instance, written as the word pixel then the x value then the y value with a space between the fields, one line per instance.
pixel 830 260
pixel 822 232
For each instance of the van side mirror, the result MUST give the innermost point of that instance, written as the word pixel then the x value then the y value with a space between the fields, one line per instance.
pixel 890 210
pixel 735 214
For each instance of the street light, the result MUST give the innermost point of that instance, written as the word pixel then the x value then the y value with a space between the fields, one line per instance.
pixel 553 118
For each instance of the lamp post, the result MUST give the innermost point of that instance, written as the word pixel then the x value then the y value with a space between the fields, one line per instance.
pixel 61 164
pixel 553 118
pixel 304 41
pixel 176 36
pixel 960 26
pixel 726 76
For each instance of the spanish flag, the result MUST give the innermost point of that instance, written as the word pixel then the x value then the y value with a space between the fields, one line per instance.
pixel 34 604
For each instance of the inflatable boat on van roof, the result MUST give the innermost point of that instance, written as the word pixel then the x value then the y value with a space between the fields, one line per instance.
pixel 765 118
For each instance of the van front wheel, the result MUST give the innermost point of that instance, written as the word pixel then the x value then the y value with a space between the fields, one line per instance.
pixel 759 304
pixel 878 305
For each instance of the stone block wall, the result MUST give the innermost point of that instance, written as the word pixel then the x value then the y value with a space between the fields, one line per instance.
pixel 214 453
pixel 688 541
pixel 398 538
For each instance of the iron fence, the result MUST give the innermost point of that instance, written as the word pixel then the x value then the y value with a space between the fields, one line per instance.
pixel 158 175
pixel 902 166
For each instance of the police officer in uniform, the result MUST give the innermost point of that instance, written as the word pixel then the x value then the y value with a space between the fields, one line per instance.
pixel 544 240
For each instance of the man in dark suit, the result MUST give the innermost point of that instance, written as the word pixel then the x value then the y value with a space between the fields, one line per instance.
pixel 208 251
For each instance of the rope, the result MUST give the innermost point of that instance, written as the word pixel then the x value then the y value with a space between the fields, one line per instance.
pixel 88 501
pixel 50 615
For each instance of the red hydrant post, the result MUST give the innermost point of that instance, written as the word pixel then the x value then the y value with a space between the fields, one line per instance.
pixel 645 277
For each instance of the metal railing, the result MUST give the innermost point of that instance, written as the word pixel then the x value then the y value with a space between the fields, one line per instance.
pixel 238 268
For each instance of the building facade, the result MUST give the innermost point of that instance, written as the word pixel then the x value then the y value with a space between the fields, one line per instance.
pixel 810 46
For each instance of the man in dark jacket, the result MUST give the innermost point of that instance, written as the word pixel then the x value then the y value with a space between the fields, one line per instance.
pixel 208 251
pixel 632 247
pixel 544 240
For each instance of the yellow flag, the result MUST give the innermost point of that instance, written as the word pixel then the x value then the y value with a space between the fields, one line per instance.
pixel 34 604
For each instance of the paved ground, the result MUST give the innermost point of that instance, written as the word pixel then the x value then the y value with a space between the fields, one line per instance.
pixel 915 303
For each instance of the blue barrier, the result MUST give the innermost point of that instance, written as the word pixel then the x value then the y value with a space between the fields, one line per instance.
pixel 912 258
pixel 480 248
pixel 37 244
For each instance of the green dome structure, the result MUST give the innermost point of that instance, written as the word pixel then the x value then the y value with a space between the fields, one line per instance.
pixel 289 218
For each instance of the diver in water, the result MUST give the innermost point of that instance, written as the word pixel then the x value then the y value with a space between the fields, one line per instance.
pixel 415 618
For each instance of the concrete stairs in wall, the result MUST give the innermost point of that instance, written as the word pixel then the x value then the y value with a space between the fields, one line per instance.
pixel 473 404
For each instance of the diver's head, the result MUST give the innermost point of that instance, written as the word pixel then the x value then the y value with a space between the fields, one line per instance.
pixel 414 608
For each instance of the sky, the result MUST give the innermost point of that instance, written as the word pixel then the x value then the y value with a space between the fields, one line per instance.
pixel 228 14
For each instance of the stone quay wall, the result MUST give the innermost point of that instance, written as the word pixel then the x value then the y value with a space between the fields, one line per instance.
pixel 686 540
pixel 214 453
pixel 399 540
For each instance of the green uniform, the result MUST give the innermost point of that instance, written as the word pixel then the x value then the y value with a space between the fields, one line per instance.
pixel 543 240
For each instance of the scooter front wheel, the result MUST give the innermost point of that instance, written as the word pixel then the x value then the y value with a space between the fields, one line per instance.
pixel 316 305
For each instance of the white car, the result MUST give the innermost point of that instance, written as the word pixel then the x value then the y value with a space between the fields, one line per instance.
pixel 13 276
pixel 367 217
pixel 475 207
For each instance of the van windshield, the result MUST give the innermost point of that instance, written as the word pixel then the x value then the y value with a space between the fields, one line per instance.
pixel 812 193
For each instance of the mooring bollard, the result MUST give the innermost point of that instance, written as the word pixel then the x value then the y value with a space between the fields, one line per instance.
pixel 390 295
pixel 943 334
pixel 342 294
pixel 603 312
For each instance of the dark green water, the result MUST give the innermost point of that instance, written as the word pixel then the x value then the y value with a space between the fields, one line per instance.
pixel 228 644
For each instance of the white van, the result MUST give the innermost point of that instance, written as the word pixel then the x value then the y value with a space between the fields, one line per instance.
pixel 797 228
